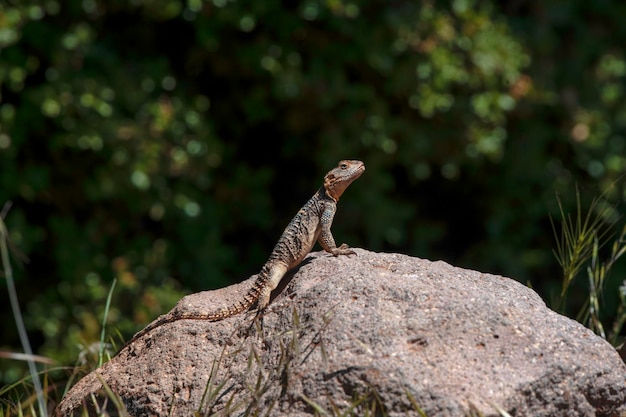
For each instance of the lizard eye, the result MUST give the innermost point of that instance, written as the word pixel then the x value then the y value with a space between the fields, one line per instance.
pixel 344 166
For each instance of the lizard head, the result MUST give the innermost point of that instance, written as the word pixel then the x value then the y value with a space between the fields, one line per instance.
pixel 339 178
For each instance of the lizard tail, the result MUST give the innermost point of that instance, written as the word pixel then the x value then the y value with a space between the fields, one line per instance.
pixel 251 297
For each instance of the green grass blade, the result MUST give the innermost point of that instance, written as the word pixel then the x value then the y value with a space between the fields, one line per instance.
pixel 104 322
pixel 19 321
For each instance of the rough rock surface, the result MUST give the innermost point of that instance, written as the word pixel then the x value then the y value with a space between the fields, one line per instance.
pixel 384 332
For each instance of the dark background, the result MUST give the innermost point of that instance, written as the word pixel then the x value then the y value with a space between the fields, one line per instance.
pixel 167 143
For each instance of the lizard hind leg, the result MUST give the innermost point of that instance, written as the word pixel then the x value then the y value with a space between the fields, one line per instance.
pixel 275 274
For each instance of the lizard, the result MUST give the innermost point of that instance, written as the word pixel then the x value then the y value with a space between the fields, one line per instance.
pixel 312 223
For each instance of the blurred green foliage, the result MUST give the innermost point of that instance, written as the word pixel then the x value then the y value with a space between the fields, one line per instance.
pixel 167 143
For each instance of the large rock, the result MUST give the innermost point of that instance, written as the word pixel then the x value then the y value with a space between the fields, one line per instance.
pixel 387 333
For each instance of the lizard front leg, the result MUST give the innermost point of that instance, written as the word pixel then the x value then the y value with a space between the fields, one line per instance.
pixel 326 239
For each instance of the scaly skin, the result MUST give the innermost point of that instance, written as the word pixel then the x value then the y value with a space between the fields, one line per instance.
pixel 311 223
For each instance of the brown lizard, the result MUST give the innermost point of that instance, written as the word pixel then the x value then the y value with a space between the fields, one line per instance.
pixel 311 223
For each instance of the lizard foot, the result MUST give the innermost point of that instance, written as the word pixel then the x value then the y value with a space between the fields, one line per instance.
pixel 264 299
pixel 342 250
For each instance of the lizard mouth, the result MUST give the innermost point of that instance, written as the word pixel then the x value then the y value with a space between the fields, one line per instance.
pixel 360 170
